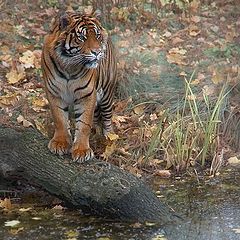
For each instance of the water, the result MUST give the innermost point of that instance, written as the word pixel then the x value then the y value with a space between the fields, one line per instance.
pixel 210 208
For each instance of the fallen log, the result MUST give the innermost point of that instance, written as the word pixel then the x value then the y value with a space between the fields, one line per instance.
pixel 97 187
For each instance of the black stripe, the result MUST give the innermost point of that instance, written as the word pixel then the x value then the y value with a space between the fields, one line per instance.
pixel 44 60
pixel 49 82
pixel 58 71
pixel 52 86
pixel 64 109
pixel 81 71
pixel 83 87
pixel 77 115
pixel 87 95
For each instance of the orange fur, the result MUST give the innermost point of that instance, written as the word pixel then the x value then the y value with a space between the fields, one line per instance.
pixel 79 69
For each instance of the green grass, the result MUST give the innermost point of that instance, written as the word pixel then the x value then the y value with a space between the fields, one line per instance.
pixel 230 50
pixel 189 135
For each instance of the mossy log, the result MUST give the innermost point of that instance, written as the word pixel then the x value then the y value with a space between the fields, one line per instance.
pixel 96 187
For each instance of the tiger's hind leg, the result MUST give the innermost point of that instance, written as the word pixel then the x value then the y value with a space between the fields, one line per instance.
pixel 106 117
pixel 61 141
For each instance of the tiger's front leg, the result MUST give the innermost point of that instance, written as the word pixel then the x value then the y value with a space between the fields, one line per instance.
pixel 84 112
pixel 61 141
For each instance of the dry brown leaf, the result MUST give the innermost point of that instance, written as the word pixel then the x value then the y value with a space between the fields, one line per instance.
pixel 208 90
pixel 27 59
pixel 41 127
pixel 25 123
pixel 231 35
pixel 37 58
pixel 194 5
pixel 8 100
pixel 217 77
pixel 195 82
pixel 191 97
pixel 177 59
pixel 177 40
pixel 109 150
pixel 176 55
pixel 15 75
pixel 194 30
pixel 163 173
pixel 180 51
pixel 118 120
pixel 40 102
pixel 234 161
pixel 6 203
pixel 25 209
pixel 123 44
pixel 112 136
pixel 195 19
pixel 15 231
pixel 58 207
pixel 139 109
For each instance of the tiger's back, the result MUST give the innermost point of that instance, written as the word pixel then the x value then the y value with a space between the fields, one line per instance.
pixel 79 69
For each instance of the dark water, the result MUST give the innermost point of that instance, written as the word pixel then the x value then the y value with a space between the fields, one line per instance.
pixel 210 207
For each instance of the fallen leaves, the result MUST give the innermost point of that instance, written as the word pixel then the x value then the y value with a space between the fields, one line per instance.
pixel 194 30
pixel 27 59
pixel 5 204
pixel 24 122
pixel 8 99
pixel 234 161
pixel 11 223
pixel 15 75
pixel 177 56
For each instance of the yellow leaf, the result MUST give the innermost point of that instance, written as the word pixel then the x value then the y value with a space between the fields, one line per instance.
pixel 27 59
pixel 8 99
pixel 191 97
pixel 217 77
pixel 194 30
pixel 24 209
pixel 6 203
pixel 180 51
pixel 16 231
pixel 234 161
pixel 72 234
pixel 15 76
pixel 109 150
pixel 177 58
pixel 40 102
pixel 112 136
pixel 139 109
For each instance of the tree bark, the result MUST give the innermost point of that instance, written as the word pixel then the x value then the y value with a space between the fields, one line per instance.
pixel 97 187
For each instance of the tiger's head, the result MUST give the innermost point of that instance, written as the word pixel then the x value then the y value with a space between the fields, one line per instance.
pixel 79 39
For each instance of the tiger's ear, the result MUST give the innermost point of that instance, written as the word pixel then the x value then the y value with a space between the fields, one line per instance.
pixel 64 20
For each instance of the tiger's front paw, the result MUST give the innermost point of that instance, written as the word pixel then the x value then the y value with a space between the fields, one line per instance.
pixel 80 155
pixel 59 146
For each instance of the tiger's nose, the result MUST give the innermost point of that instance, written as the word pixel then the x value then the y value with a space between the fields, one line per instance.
pixel 96 52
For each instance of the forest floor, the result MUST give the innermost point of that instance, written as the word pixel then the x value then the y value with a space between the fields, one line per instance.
pixel 156 53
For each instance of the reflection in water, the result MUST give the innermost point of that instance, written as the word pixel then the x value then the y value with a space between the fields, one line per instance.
pixel 211 211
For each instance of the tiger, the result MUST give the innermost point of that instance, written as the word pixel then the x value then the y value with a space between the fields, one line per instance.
pixel 79 70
